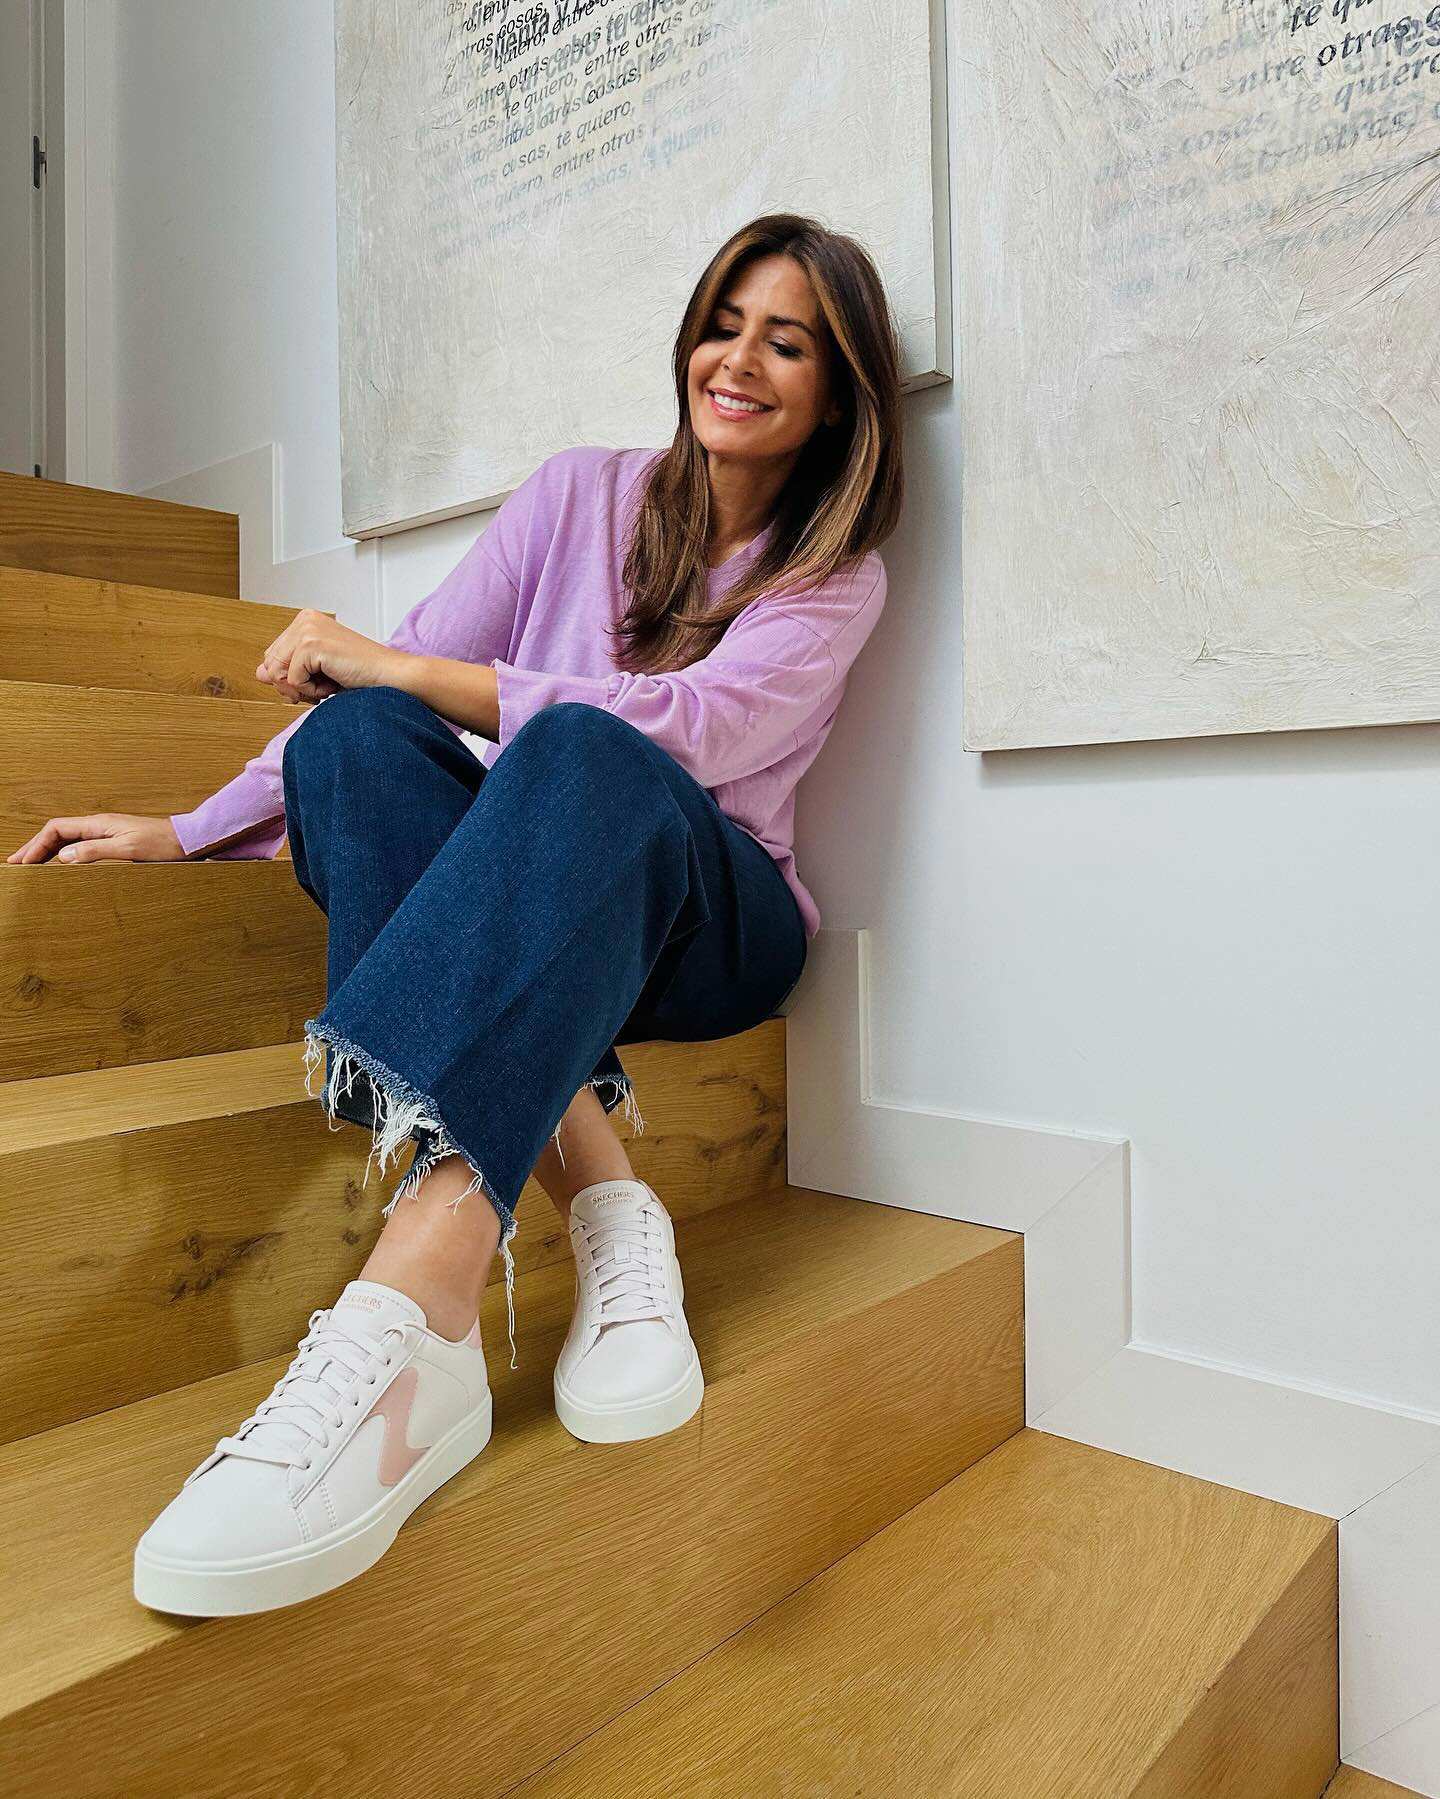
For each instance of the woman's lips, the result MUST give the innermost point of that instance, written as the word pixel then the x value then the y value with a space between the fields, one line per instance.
pixel 725 412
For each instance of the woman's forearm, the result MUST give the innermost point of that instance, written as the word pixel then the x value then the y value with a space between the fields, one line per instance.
pixel 464 692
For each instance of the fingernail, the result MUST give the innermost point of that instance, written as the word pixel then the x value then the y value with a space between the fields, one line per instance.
pixel 65 855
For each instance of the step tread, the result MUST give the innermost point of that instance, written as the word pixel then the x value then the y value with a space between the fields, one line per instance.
pixel 46 1110
pixel 1065 1610
pixel 15 578
pixel 137 1096
pixel 758 1273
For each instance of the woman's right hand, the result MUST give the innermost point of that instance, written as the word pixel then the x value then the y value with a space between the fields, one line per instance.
pixel 102 837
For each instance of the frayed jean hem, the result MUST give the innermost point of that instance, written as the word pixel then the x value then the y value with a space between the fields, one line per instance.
pixel 622 1093
pixel 400 1111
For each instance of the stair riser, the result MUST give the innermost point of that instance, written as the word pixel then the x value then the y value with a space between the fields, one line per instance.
pixel 68 750
pixel 74 632
pixel 178 1250
pixel 1269 1728
pixel 116 963
pixel 70 530
pixel 159 1257
pixel 551 1623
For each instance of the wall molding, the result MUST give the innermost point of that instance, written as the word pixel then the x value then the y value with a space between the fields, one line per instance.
pixel 1373 1468
pixel 346 580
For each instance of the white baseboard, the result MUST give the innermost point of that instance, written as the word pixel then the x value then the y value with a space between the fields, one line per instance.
pixel 345 580
pixel 1374 1468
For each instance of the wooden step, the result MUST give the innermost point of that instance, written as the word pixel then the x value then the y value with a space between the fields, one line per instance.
pixel 115 963
pixel 1054 1620
pixel 70 630
pixel 71 530
pixel 857 1357
pixel 67 750
pixel 173 1220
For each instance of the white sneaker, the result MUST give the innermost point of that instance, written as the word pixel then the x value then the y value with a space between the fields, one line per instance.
pixel 374 1413
pixel 628 1367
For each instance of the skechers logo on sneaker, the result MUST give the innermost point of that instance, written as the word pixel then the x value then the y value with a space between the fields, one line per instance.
pixel 363 1299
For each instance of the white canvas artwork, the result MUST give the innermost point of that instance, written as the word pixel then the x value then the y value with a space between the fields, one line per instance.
pixel 529 191
pixel 1198 305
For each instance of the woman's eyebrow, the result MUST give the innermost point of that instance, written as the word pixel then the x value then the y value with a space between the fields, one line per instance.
pixel 773 318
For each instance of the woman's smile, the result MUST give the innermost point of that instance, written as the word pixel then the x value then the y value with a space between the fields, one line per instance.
pixel 726 408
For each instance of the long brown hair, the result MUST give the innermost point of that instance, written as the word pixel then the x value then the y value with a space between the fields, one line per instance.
pixel 844 494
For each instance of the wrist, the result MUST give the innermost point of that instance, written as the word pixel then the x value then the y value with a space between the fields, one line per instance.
pixel 402 669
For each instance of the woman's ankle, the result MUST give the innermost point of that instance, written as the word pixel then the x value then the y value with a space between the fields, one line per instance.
pixel 591 1152
pixel 437 1252
pixel 448 1313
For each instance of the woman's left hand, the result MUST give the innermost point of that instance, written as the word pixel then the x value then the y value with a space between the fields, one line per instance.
pixel 315 656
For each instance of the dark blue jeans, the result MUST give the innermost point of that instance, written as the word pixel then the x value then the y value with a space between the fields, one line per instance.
pixel 495 933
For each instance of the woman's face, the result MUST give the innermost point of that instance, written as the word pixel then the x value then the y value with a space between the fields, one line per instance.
pixel 767 343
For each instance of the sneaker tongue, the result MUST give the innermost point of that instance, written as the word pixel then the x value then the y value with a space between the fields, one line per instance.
pixel 604 1199
pixel 364 1309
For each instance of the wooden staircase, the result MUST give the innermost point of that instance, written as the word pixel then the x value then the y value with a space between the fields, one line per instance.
pixel 854 1572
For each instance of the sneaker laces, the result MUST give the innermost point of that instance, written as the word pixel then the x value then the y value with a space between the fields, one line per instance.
pixel 627 1256
pixel 328 1374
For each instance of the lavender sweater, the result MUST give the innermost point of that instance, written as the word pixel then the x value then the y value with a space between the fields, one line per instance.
pixel 533 595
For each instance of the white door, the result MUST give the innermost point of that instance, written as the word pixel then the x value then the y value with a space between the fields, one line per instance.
pixel 22 394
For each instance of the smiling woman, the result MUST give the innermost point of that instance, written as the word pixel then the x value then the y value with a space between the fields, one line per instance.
pixel 654 645
pixel 787 381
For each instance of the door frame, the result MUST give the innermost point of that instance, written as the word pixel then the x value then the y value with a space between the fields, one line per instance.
pixel 79 201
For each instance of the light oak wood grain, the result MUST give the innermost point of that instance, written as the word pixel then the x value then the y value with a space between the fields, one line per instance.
pixel 856 1358
pixel 1055 1620
pixel 71 530
pixel 67 750
pixel 76 631
pixel 168 1221
pixel 124 962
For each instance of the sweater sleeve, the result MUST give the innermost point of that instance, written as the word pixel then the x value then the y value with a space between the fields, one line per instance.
pixel 782 663
pixel 469 617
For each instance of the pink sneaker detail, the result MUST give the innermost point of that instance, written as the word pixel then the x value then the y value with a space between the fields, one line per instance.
pixel 397 1454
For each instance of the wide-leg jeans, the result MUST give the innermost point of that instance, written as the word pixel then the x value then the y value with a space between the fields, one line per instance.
pixel 495 934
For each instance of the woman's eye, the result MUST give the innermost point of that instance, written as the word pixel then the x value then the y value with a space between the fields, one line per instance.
pixel 775 344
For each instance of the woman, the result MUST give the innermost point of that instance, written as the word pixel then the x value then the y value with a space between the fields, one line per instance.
pixel 655 644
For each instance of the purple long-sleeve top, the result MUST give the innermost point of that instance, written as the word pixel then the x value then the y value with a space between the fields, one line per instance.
pixel 534 594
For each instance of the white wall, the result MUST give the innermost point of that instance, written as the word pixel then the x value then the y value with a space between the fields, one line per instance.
pixel 1223 949
pixel 225 247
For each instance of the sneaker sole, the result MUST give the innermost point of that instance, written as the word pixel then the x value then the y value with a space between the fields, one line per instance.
pixel 261 1583
pixel 629 1421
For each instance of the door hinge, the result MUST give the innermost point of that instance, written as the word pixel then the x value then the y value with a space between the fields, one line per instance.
pixel 37 160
